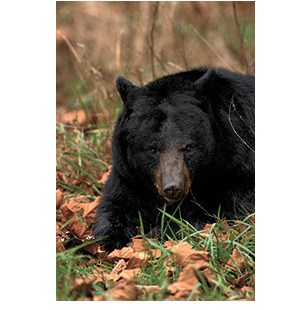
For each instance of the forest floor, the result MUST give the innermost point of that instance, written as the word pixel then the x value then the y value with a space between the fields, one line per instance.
pixel 216 263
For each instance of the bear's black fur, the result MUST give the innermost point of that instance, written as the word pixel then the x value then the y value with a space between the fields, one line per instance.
pixel 184 139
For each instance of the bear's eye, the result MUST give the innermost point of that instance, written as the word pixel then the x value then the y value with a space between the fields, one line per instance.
pixel 189 148
pixel 153 150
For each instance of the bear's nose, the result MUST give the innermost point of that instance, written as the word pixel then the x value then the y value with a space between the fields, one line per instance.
pixel 173 192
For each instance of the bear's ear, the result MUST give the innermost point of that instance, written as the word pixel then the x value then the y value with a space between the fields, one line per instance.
pixel 124 87
pixel 207 80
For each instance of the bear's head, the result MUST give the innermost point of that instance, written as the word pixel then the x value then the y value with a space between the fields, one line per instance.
pixel 163 138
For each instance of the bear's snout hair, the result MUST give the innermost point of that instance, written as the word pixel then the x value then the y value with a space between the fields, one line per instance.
pixel 172 178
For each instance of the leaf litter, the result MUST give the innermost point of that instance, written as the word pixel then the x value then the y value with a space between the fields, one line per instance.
pixel 121 280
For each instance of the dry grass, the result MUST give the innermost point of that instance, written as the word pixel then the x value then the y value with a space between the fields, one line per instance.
pixel 98 40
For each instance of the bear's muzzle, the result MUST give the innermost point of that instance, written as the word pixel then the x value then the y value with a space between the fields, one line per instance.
pixel 172 177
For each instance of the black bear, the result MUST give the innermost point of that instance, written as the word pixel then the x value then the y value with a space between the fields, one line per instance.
pixel 186 140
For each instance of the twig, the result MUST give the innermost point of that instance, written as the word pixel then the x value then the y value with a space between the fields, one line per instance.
pixel 71 48
pixel 181 45
pixel 118 46
pixel 170 63
pixel 152 39
pixel 240 34
pixel 241 139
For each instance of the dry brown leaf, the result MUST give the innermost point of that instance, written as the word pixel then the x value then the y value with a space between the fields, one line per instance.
pixel 129 274
pixel 246 289
pixel 59 217
pixel 156 252
pixel 75 204
pixel 148 289
pixel 82 286
pixel 70 117
pixel 198 259
pixel 141 255
pixel 119 267
pixel 183 295
pixel 78 213
pixel 59 245
pixel 124 290
pixel 98 298
pixel 125 253
pixel 168 244
pixel 252 219
pixel 184 254
pixel 61 176
pixel 96 250
pixel 78 229
pixel 209 275
pixel 236 260
pixel 134 262
pixel 186 281
pixel 137 243
pixel 241 281
pixel 181 252
pixel 97 275
pixel 78 181
pixel 107 146
pixel 90 209
pixel 170 271
pixel 105 175
pixel 59 198
pixel 116 275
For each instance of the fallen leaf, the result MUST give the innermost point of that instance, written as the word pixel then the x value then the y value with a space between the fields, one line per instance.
pixel 69 117
pixel 148 289
pixel 209 275
pixel 185 254
pixel 236 260
pixel 61 176
pixel 129 274
pixel 198 259
pixel 186 282
pixel 125 253
pixel 59 198
pixel 90 209
pixel 241 281
pixel 82 286
pixel 124 290
pixel 97 275
pixel 207 226
pixel 141 255
pixel 181 251
pixel 134 262
pixel 246 289
pixel 168 244
pixel 98 298
pixel 96 250
pixel 120 265
pixel 137 243
pixel 156 252
pixel 105 175
pixel 78 181
pixel 59 245
pixel 78 213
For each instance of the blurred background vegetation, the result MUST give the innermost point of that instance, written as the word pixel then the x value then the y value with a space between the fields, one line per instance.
pixel 96 41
